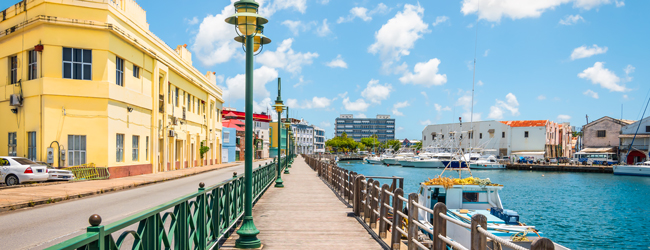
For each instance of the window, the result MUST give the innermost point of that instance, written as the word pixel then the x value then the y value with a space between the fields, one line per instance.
pixel 503 134
pixel 119 148
pixel 601 133
pixel 480 135
pixel 31 145
pixel 146 148
pixel 33 65
pixel 136 71
pixel 77 63
pixel 226 137
pixel 13 69
pixel 189 103
pixel 176 103
pixel 526 134
pixel 76 150
pixel 135 143
pixel 647 129
pixel 169 92
pixel 12 144
pixel 470 197
pixel 119 71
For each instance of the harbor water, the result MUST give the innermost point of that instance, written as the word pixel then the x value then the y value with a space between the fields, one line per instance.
pixel 576 210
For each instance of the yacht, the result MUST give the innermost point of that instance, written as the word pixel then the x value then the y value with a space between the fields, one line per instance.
pixel 487 162
pixel 640 169
pixel 400 156
pixel 373 159
pixel 469 197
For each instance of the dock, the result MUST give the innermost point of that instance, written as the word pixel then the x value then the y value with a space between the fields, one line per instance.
pixel 306 214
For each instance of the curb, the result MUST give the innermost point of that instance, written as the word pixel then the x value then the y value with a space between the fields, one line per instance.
pixel 12 207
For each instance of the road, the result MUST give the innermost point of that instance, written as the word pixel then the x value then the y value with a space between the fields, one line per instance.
pixel 44 226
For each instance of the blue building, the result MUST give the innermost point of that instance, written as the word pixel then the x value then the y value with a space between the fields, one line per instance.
pixel 356 128
pixel 228 145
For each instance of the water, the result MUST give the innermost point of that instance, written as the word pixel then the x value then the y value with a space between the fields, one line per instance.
pixel 576 210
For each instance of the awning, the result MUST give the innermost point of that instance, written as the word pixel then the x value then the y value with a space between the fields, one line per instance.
pixel 529 153
pixel 637 136
pixel 599 150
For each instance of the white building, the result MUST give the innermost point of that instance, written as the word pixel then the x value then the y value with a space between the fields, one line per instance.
pixel 489 135
pixel 262 132
pixel 304 134
pixel 319 140
pixel 639 151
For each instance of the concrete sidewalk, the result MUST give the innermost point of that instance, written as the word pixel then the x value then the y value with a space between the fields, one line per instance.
pixel 15 198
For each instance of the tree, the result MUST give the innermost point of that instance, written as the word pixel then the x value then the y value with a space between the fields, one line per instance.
pixel 418 146
pixel 203 149
pixel 342 143
pixel 394 144
pixel 370 142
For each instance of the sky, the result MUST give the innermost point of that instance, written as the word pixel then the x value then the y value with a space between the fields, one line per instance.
pixel 560 60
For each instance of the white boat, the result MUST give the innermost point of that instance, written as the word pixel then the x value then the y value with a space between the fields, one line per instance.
pixel 402 155
pixel 487 162
pixel 427 163
pixel 373 160
pixel 466 200
pixel 642 169
pixel 408 162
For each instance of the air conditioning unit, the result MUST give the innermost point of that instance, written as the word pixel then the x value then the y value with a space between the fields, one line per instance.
pixel 172 133
pixel 15 101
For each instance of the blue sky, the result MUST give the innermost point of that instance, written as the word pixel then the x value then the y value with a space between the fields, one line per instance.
pixel 535 59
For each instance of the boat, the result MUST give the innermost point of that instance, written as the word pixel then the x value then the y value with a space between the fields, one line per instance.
pixel 469 197
pixel 402 155
pixel 427 163
pixel 373 160
pixel 487 162
pixel 640 169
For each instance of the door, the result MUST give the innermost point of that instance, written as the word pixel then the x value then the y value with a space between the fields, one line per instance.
pixel 224 155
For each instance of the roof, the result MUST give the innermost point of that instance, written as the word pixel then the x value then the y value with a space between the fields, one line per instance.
pixel 530 123
pixel 242 115
pixel 233 123
pixel 632 136
pixel 619 121
pixel 599 150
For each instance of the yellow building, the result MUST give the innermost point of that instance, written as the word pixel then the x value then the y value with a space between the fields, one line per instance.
pixel 89 76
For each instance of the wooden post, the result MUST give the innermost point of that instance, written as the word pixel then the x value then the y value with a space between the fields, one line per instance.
pixel 397 220
pixel 353 176
pixel 383 211
pixel 366 209
pixel 479 240
pixel 413 216
pixel 439 226
pixel 374 203
pixel 542 244
pixel 356 204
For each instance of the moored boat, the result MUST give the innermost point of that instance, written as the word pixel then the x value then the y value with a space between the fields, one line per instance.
pixel 642 169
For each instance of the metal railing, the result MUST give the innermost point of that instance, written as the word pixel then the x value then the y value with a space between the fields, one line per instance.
pixel 89 172
pixel 385 204
pixel 199 220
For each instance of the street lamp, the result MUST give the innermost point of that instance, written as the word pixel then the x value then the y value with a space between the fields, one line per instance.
pixel 248 25
pixel 279 106
pixel 288 125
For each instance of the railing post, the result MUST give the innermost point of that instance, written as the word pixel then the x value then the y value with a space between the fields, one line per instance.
pixel 439 226
pixel 383 211
pixel 479 240
pixel 374 203
pixel 367 215
pixel 202 229
pixel 397 220
pixel 413 216
pixel 356 204
pixel 96 227
pixel 542 244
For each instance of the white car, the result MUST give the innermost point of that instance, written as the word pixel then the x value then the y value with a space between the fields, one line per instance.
pixel 57 174
pixel 16 170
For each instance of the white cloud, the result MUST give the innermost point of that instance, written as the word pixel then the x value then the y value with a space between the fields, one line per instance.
pixel 591 93
pixel 487 51
pixel 398 106
pixel 571 19
pixel 541 97
pixel 425 74
pixel 263 106
pixel 440 19
pixel 628 70
pixel 494 10
pixel 343 95
pixel 325 124
pixel 220 79
pixel 301 81
pixel 324 29
pixel 285 58
pixel 375 92
pixel 236 86
pixel 439 107
pixel 480 83
pixel 298 26
pixel 192 21
pixel 425 123
pixel 337 62
pixel 563 118
pixel 465 102
pixel 619 3
pixel 362 115
pixel 324 2
pixel 267 10
pixel 511 104
pixel 584 51
pixel 602 76
pixel 315 103
pixel 363 13
pixel 398 36
pixel 358 105
pixel 424 94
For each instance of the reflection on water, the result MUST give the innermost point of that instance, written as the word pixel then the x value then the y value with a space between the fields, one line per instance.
pixel 577 210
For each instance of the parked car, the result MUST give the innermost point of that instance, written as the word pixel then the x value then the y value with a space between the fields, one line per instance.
pixel 57 174
pixel 16 170
pixel 563 160
pixel 552 160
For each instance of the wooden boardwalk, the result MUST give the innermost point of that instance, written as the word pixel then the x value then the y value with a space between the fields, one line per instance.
pixel 306 214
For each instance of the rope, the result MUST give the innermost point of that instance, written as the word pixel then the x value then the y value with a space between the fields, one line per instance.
pixel 451 242
pixel 500 240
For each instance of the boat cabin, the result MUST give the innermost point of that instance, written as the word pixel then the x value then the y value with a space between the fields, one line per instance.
pixel 471 197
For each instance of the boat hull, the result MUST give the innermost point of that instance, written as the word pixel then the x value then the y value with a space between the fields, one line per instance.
pixel 374 161
pixel 454 164
pixel 428 164
pixel 487 166
pixel 632 170
pixel 390 161
pixel 405 163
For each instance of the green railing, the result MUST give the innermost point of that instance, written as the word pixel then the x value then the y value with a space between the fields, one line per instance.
pixel 196 221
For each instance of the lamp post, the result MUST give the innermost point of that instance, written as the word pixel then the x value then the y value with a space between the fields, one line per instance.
pixel 248 25
pixel 279 106
pixel 288 125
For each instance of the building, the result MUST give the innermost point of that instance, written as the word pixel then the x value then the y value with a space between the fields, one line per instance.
pixel 319 140
pixel 603 135
pixel 356 128
pixel 304 135
pixel 406 143
pixel 536 138
pixel 260 126
pixel 229 146
pixel 89 79
pixel 273 152
pixel 639 149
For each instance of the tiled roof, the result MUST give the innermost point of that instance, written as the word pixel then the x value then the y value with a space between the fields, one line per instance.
pixel 531 123
pixel 232 123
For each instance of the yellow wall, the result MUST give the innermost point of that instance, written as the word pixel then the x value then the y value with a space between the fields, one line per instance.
pixel 55 107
